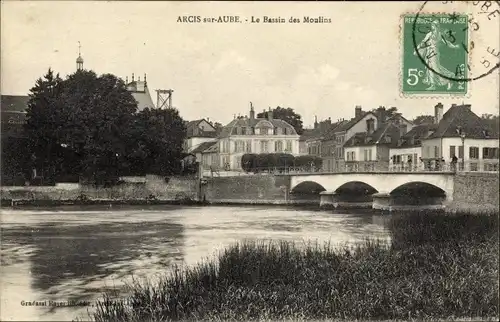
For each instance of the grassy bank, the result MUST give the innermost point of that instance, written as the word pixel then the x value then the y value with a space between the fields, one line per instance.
pixel 436 267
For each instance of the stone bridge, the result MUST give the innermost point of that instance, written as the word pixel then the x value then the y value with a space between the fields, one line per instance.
pixel 385 184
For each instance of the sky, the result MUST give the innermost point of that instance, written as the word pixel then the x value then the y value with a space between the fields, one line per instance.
pixel 216 70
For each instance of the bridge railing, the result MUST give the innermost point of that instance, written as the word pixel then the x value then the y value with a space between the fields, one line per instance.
pixel 378 167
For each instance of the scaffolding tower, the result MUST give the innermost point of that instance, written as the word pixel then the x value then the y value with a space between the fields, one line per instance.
pixel 164 98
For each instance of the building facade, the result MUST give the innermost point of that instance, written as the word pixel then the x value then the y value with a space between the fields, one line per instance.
pixel 462 135
pixel 248 134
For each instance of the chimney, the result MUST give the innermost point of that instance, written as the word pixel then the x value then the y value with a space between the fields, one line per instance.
pixel 132 76
pixel 381 114
pixel 270 114
pixel 438 113
pixel 252 112
pixel 145 80
pixel 126 80
pixel 358 111
pixel 315 122
pixel 469 106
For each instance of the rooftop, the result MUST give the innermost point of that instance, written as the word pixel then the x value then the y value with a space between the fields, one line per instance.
pixel 461 118
pixel 249 122
pixel 387 134
pixel 203 147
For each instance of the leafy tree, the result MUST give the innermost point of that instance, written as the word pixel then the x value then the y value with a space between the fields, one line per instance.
pixel 423 119
pixel 157 136
pixel 288 115
pixel 86 114
pixel 492 122
pixel 44 118
pixel 248 162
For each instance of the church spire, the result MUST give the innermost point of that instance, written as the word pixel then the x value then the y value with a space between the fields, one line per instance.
pixel 79 60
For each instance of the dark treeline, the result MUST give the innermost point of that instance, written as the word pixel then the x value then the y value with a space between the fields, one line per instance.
pixel 88 127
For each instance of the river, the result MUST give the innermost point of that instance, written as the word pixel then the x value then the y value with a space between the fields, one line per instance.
pixel 75 254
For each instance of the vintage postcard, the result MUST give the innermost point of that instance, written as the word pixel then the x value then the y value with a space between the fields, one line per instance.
pixel 243 161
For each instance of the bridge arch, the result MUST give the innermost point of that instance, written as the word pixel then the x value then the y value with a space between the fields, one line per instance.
pixel 418 193
pixel 356 187
pixel 308 187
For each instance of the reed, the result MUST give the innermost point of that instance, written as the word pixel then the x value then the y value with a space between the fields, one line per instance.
pixel 436 267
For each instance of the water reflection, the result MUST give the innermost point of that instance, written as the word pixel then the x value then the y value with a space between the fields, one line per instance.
pixel 70 254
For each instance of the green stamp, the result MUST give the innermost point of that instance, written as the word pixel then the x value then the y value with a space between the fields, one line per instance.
pixel 435 54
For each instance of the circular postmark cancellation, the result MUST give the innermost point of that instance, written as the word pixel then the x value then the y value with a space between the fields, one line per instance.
pixel 455 30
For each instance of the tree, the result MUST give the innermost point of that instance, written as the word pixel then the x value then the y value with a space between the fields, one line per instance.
pixel 43 120
pixel 288 115
pixel 423 119
pixel 248 162
pixel 492 122
pixel 157 138
pixel 87 114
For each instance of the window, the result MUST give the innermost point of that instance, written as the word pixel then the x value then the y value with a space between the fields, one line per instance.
pixel 436 151
pixel 428 151
pixel 243 130
pixel 239 146
pixel 473 167
pixel 275 130
pixel 452 151
pixel 370 155
pixel 490 153
pixel 289 146
pixel 249 146
pixel 278 146
pixel 370 125
pixel 285 131
pixel 252 130
pixel 263 146
pixel 473 152
pixel 264 130
pixel 461 151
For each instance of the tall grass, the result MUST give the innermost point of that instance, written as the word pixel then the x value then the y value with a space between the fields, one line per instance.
pixel 437 267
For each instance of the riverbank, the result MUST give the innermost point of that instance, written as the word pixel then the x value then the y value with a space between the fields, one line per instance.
pixel 436 267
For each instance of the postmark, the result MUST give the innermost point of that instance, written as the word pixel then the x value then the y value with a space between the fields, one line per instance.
pixel 447 45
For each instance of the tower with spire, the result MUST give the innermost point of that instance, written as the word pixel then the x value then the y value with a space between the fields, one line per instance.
pixel 79 60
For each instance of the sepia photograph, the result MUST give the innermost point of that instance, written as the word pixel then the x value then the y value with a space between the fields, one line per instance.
pixel 249 160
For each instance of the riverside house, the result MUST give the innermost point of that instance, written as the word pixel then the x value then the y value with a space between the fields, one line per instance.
pixel 406 155
pixel 248 134
pixel 369 149
pixel 199 132
pixel 461 133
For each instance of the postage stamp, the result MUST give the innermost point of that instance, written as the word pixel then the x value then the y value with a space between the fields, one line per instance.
pixel 435 54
